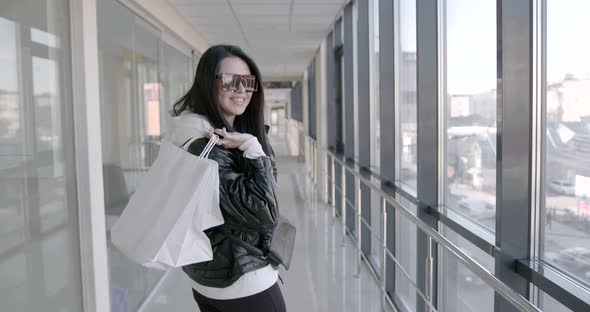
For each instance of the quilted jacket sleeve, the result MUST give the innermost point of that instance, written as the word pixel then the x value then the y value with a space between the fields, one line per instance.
pixel 246 188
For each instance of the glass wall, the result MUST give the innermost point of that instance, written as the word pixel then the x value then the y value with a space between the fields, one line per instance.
pixel 39 239
pixel 176 77
pixel 462 290
pixel 566 227
pixel 141 77
pixel 470 145
pixel 470 109
pixel 406 249
pixel 406 97
pixel 461 122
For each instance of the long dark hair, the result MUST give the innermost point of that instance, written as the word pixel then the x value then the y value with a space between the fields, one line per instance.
pixel 201 98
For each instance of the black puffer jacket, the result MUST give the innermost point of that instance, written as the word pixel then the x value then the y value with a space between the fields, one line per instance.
pixel 249 206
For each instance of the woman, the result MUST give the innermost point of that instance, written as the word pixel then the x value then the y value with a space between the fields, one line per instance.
pixel 227 99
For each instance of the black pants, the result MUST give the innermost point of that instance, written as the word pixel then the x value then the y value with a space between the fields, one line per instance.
pixel 270 300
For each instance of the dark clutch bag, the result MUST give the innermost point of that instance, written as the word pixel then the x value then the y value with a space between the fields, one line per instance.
pixel 281 245
pixel 283 242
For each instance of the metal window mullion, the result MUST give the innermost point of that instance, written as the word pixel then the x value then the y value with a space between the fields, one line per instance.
pixel 427 16
pixel 384 257
pixel 343 206
pixel 331 127
pixel 325 175
pixel 359 241
pixel 349 100
pixel 387 127
pixel 333 189
pixel 348 82
pixel 363 104
pixel 88 149
pixel 539 136
pixel 514 176
pixel 386 90
pixel 540 151
pixel 363 71
pixel 444 267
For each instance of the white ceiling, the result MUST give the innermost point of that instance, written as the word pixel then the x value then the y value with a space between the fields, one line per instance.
pixel 280 35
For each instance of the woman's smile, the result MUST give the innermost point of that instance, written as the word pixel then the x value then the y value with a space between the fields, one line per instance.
pixel 238 100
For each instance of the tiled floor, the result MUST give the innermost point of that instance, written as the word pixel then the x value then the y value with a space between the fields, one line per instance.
pixel 322 273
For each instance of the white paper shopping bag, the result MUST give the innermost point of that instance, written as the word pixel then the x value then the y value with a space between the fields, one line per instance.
pixel 162 225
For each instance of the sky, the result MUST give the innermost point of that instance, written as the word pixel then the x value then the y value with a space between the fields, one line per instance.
pixel 568 46
pixel 471 46
pixel 471 43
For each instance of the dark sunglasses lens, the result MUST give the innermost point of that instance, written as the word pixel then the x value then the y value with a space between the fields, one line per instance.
pixel 231 83
pixel 249 83
pixel 227 83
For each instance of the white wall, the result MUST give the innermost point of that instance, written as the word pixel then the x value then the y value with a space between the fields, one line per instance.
pixel 167 15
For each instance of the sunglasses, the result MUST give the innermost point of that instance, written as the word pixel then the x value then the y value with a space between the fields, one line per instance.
pixel 231 82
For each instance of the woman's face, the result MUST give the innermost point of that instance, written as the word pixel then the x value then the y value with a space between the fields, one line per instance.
pixel 232 103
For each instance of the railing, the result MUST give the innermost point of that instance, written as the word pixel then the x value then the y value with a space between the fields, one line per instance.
pixel 313 156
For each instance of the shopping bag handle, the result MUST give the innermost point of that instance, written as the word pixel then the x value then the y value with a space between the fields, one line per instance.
pixel 208 148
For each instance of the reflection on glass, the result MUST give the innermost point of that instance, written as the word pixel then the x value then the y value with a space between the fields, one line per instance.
pixel 132 110
pixel 566 229
pixel 12 218
pixel 406 235
pixel 376 238
pixel 141 77
pixel 471 109
pixel 39 245
pixel 374 94
pixel 470 145
pixel 463 290
pixel 548 303
pixel 44 38
pixel 48 125
pixel 407 95
pixel 176 77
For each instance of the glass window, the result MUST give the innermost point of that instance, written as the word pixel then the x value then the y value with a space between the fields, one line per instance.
pixel 566 228
pixel 470 144
pixel 406 95
pixel 406 240
pixel 374 91
pixel 140 78
pixel 39 239
pixel 461 289
pixel 376 238
pixel 470 108
pixel 176 77
pixel 548 303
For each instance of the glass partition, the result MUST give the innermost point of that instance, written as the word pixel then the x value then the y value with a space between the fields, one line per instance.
pixel 141 77
pixel 40 266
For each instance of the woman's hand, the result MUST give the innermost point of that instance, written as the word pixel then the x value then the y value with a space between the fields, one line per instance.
pixel 230 139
